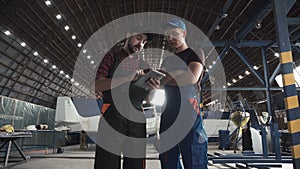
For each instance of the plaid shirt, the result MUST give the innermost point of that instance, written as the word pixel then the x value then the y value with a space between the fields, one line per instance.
pixel 126 63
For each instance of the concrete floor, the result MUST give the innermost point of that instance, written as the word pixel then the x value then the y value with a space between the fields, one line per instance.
pixel 73 158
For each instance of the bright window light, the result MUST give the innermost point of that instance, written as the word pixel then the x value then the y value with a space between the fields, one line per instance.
pixel 210 66
pixel 159 97
pixel 73 37
pixel 228 84
pixel 84 51
pixel 7 33
pixel 214 62
pixel 76 84
pixel 67 27
pixel 92 62
pixel 72 80
pixel 234 81
pixel 35 53
pixel 46 61
pixel 53 66
pixel 58 16
pixel 23 44
pixel 278 78
pixel 79 45
pixel 61 72
pixel 247 72
pixel 255 67
pixel 241 77
pixel 67 76
pixel 88 57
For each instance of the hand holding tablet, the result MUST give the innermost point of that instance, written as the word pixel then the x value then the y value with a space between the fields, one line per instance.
pixel 142 82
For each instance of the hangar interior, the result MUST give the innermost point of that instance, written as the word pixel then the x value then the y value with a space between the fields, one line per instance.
pixel 252 65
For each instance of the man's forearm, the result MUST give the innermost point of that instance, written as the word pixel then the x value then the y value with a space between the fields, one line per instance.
pixel 183 79
pixel 170 76
pixel 106 84
pixel 190 76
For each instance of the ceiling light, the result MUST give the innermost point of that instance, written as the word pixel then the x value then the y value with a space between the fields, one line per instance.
pixel 255 67
pixel 210 66
pixel 224 15
pixel 48 3
pixel 233 80
pixel 67 27
pixel 79 44
pixel 92 62
pixel 214 62
pixel 76 84
pixel 276 54
pixel 84 51
pixel 241 77
pixel 23 44
pixel 73 37
pixel 217 27
pixel 262 101
pixel 58 16
pixel 247 72
pixel 72 80
pixel 7 33
pixel 35 53
pixel 46 61
pixel 67 76
pixel 61 72
pixel 228 84
pixel 53 67
pixel 224 86
pixel 258 24
pixel 88 56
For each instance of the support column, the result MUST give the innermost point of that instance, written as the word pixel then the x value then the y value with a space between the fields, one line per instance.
pixel 291 99
pixel 269 102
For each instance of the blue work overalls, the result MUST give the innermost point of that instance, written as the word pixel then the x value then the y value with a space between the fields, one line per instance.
pixel 193 148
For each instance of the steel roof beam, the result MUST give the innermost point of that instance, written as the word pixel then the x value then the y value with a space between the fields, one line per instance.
pixel 245 60
pixel 252 43
pixel 244 89
pixel 293 21
pixel 275 72
pixel 247 43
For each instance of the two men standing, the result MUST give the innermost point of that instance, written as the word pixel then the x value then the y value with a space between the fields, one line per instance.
pixel 181 87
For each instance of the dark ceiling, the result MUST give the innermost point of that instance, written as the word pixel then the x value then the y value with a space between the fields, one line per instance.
pixel 227 23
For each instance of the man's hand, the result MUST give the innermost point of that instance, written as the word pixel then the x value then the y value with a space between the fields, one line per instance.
pixel 135 75
pixel 153 83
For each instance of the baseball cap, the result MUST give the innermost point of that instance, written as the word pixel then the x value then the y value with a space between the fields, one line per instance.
pixel 176 22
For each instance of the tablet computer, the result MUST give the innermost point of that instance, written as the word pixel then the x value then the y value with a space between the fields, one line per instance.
pixel 142 82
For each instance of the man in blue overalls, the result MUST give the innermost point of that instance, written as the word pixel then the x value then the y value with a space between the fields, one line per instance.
pixel 184 72
pixel 116 74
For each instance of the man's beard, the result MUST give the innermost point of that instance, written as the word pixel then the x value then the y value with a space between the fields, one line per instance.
pixel 131 47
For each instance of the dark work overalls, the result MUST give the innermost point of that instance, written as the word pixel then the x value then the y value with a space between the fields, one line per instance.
pixel 109 156
pixel 193 147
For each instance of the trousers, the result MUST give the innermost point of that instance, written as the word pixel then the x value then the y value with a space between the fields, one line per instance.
pixel 111 146
pixel 193 150
pixel 183 105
